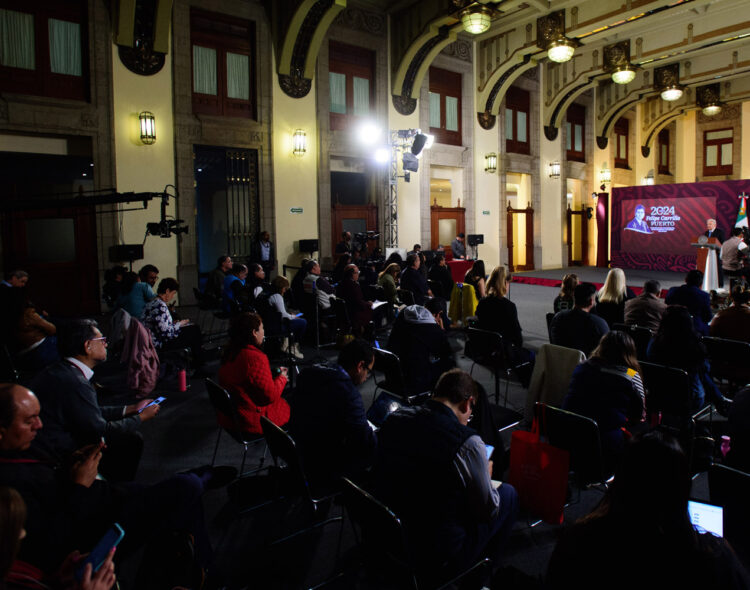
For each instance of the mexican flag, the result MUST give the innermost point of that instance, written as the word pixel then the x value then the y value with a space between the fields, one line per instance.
pixel 742 213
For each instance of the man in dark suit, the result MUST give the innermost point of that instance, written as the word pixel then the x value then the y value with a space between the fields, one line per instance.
pixel 71 413
pixel 263 253
pixel 694 298
pixel 712 231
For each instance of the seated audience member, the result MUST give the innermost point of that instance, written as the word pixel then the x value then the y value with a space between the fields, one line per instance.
pixel 697 301
pixel 315 283
pixel 34 341
pixel 608 389
pixel 298 326
pixel 564 300
pixel 113 285
pixel 256 281
pixel 72 414
pixel 149 274
pixel 646 309
pixel 733 322
pixel 215 283
pixel 739 431
pixel 643 520
pixel 432 471
pixel 15 278
pixel 246 373
pixel 16 574
pixel 232 296
pixel 422 346
pixel 497 313
pixel 677 344
pixel 296 286
pixel 134 295
pixel 611 298
pixel 166 333
pixel 387 279
pixel 328 420
pixel 441 274
pixel 69 507
pixel 413 280
pixel 579 328
pixel 476 277
pixel 395 258
pixel 338 271
pixel 348 289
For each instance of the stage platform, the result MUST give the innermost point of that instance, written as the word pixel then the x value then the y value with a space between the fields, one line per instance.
pixel 593 274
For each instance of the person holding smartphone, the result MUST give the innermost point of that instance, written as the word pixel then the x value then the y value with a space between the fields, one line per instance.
pixel 246 373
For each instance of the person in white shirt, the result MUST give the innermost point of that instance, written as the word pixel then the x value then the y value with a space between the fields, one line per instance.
pixel 297 325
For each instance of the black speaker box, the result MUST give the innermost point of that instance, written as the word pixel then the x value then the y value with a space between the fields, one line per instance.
pixel 125 252
pixel 308 245
pixel 475 239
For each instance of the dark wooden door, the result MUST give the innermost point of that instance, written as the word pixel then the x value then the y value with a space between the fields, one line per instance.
pixel 445 224
pixel 57 247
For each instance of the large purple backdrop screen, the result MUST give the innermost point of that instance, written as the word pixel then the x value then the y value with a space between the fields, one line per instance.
pixel 653 226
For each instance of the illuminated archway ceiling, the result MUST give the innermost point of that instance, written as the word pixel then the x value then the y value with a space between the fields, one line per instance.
pixel 708 40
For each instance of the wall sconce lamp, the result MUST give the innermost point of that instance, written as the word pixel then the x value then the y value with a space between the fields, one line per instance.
pixel 299 143
pixel 476 19
pixel 648 180
pixel 708 99
pixel 148 127
pixel 554 169
pixel 490 163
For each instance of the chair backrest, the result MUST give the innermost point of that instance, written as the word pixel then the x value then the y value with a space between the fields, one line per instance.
pixel 389 365
pixel 669 389
pixel 223 405
pixel 405 296
pixel 437 288
pixel 272 321
pixel 282 446
pixel 729 359
pixel 382 534
pixel 485 347
pixel 641 337
pixel 342 315
pixel 550 316
pixel 579 436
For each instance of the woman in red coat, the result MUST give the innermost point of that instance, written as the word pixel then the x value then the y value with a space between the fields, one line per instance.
pixel 246 374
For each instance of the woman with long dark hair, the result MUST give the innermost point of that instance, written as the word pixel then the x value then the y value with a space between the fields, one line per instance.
pixel 608 389
pixel 246 373
pixel 640 534
pixel 564 299
pixel 134 295
pixel 677 344
pixel 338 271
pixel 475 277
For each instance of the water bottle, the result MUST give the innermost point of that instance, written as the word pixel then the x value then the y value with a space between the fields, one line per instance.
pixel 182 380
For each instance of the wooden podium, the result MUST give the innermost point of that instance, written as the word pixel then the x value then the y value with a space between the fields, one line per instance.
pixel 707 261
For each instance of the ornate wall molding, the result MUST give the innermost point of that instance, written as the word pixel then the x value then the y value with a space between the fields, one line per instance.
pixel 460 49
pixel 141 59
pixel 728 112
pixel 362 20
pixel 486 120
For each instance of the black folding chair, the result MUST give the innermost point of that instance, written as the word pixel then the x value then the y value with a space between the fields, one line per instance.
pixel 389 366
pixel 405 296
pixel 224 405
pixel 641 337
pixel 385 547
pixel 730 488
pixel 730 362
pixel 579 436
pixel 490 350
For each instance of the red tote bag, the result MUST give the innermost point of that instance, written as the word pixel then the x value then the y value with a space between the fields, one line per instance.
pixel 539 472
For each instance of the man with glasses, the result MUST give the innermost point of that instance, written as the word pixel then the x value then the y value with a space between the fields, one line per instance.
pixel 72 415
pixel 328 420
pixel 433 471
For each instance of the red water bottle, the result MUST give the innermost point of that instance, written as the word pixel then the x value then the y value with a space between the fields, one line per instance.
pixel 182 380
pixel 725 445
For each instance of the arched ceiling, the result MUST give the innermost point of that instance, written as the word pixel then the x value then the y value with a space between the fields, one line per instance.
pixel 707 41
